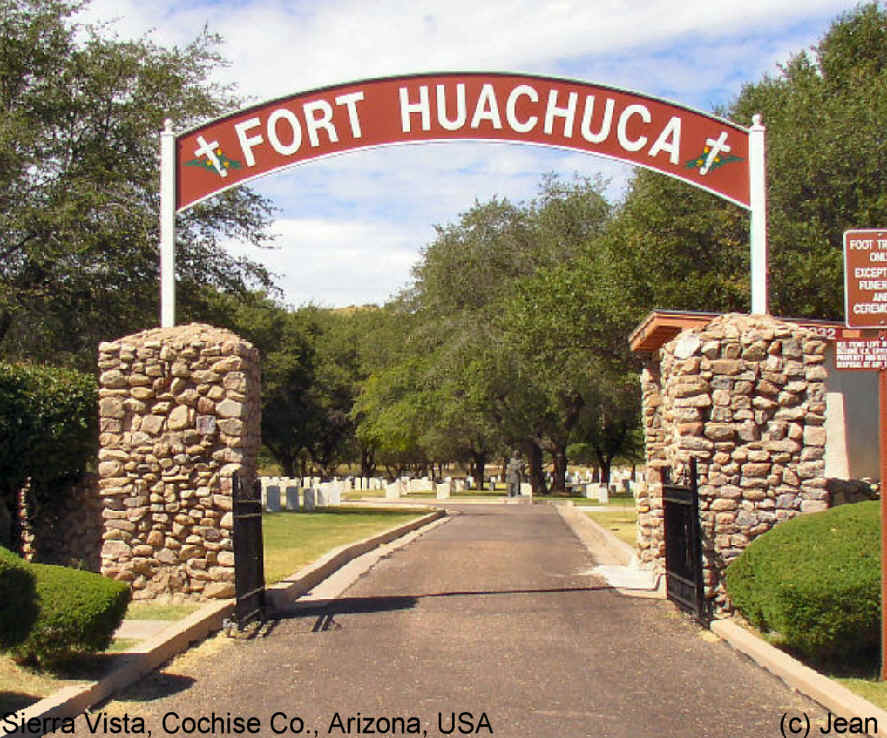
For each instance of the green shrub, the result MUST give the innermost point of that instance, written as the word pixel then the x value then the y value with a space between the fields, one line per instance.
pixel 18 605
pixel 73 611
pixel 816 581
pixel 48 432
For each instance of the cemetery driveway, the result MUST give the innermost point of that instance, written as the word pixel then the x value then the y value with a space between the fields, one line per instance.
pixel 491 620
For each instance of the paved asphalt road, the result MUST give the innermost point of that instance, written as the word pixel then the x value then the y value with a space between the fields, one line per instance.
pixel 490 624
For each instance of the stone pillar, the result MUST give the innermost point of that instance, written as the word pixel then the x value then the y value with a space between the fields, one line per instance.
pixel 651 542
pixel 179 414
pixel 745 396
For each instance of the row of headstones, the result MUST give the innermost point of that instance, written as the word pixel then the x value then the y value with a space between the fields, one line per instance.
pixel 309 492
pixel 300 498
pixel 405 485
pixel 619 483
pixel 599 492
pixel 346 485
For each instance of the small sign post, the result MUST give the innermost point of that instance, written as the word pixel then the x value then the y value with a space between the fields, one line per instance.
pixel 882 450
pixel 865 306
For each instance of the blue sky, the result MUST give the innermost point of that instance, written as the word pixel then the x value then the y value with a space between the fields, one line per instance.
pixel 351 227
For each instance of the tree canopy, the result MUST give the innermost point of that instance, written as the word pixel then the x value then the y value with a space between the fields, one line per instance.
pixel 513 333
pixel 79 182
pixel 824 111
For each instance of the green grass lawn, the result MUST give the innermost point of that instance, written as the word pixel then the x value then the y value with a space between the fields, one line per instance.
pixel 621 523
pixel 294 539
pixel 871 689
pixel 148 610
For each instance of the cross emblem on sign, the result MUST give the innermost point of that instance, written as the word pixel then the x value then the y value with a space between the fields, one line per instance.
pixel 209 150
pixel 716 146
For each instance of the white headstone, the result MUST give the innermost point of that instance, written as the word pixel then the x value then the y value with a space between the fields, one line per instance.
pixel 272 498
pixel 392 491
pixel 603 494
pixel 526 488
pixel 329 493
pixel 444 489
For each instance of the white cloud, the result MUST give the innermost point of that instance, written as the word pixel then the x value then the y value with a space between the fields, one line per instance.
pixel 281 47
pixel 333 263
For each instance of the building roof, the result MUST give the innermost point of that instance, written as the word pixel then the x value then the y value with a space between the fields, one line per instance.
pixel 660 326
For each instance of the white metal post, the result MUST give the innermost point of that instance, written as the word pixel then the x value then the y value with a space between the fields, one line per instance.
pixel 757 164
pixel 167 227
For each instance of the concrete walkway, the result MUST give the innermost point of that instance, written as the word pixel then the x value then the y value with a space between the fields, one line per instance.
pixel 493 619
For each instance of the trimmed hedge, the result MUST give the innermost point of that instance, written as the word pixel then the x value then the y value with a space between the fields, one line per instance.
pixel 18 602
pixel 816 581
pixel 50 613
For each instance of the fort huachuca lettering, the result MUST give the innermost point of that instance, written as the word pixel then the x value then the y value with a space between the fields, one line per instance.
pixel 453 108
pixel 708 152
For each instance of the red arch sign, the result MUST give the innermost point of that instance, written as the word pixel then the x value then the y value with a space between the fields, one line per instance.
pixel 702 150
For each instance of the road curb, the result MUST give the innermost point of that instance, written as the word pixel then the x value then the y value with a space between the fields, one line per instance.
pixel 830 694
pixel 151 653
pixel 607 547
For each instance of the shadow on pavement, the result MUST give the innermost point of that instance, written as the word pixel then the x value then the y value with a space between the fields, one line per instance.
pixel 155 686
pixel 326 610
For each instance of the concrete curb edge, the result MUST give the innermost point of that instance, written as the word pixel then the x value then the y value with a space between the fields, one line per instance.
pixel 151 653
pixel 830 694
pixel 584 528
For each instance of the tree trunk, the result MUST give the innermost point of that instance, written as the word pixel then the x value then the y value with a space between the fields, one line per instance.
pixel 480 462
pixel 559 461
pixel 367 462
pixel 605 470
pixel 537 473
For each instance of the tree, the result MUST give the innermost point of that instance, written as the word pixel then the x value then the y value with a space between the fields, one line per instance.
pixel 486 369
pixel 79 182
pixel 824 111
pixel 564 326
pixel 825 119
pixel 285 339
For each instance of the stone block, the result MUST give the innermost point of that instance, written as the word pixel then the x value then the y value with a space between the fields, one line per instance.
pixel 814 435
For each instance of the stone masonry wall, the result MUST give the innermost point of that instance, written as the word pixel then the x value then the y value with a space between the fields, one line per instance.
pixel 179 413
pixel 745 395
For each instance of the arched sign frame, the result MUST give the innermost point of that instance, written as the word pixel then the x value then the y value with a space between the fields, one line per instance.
pixel 703 150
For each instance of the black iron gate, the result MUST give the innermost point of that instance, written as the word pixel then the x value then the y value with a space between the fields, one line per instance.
pixel 683 546
pixel 249 564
